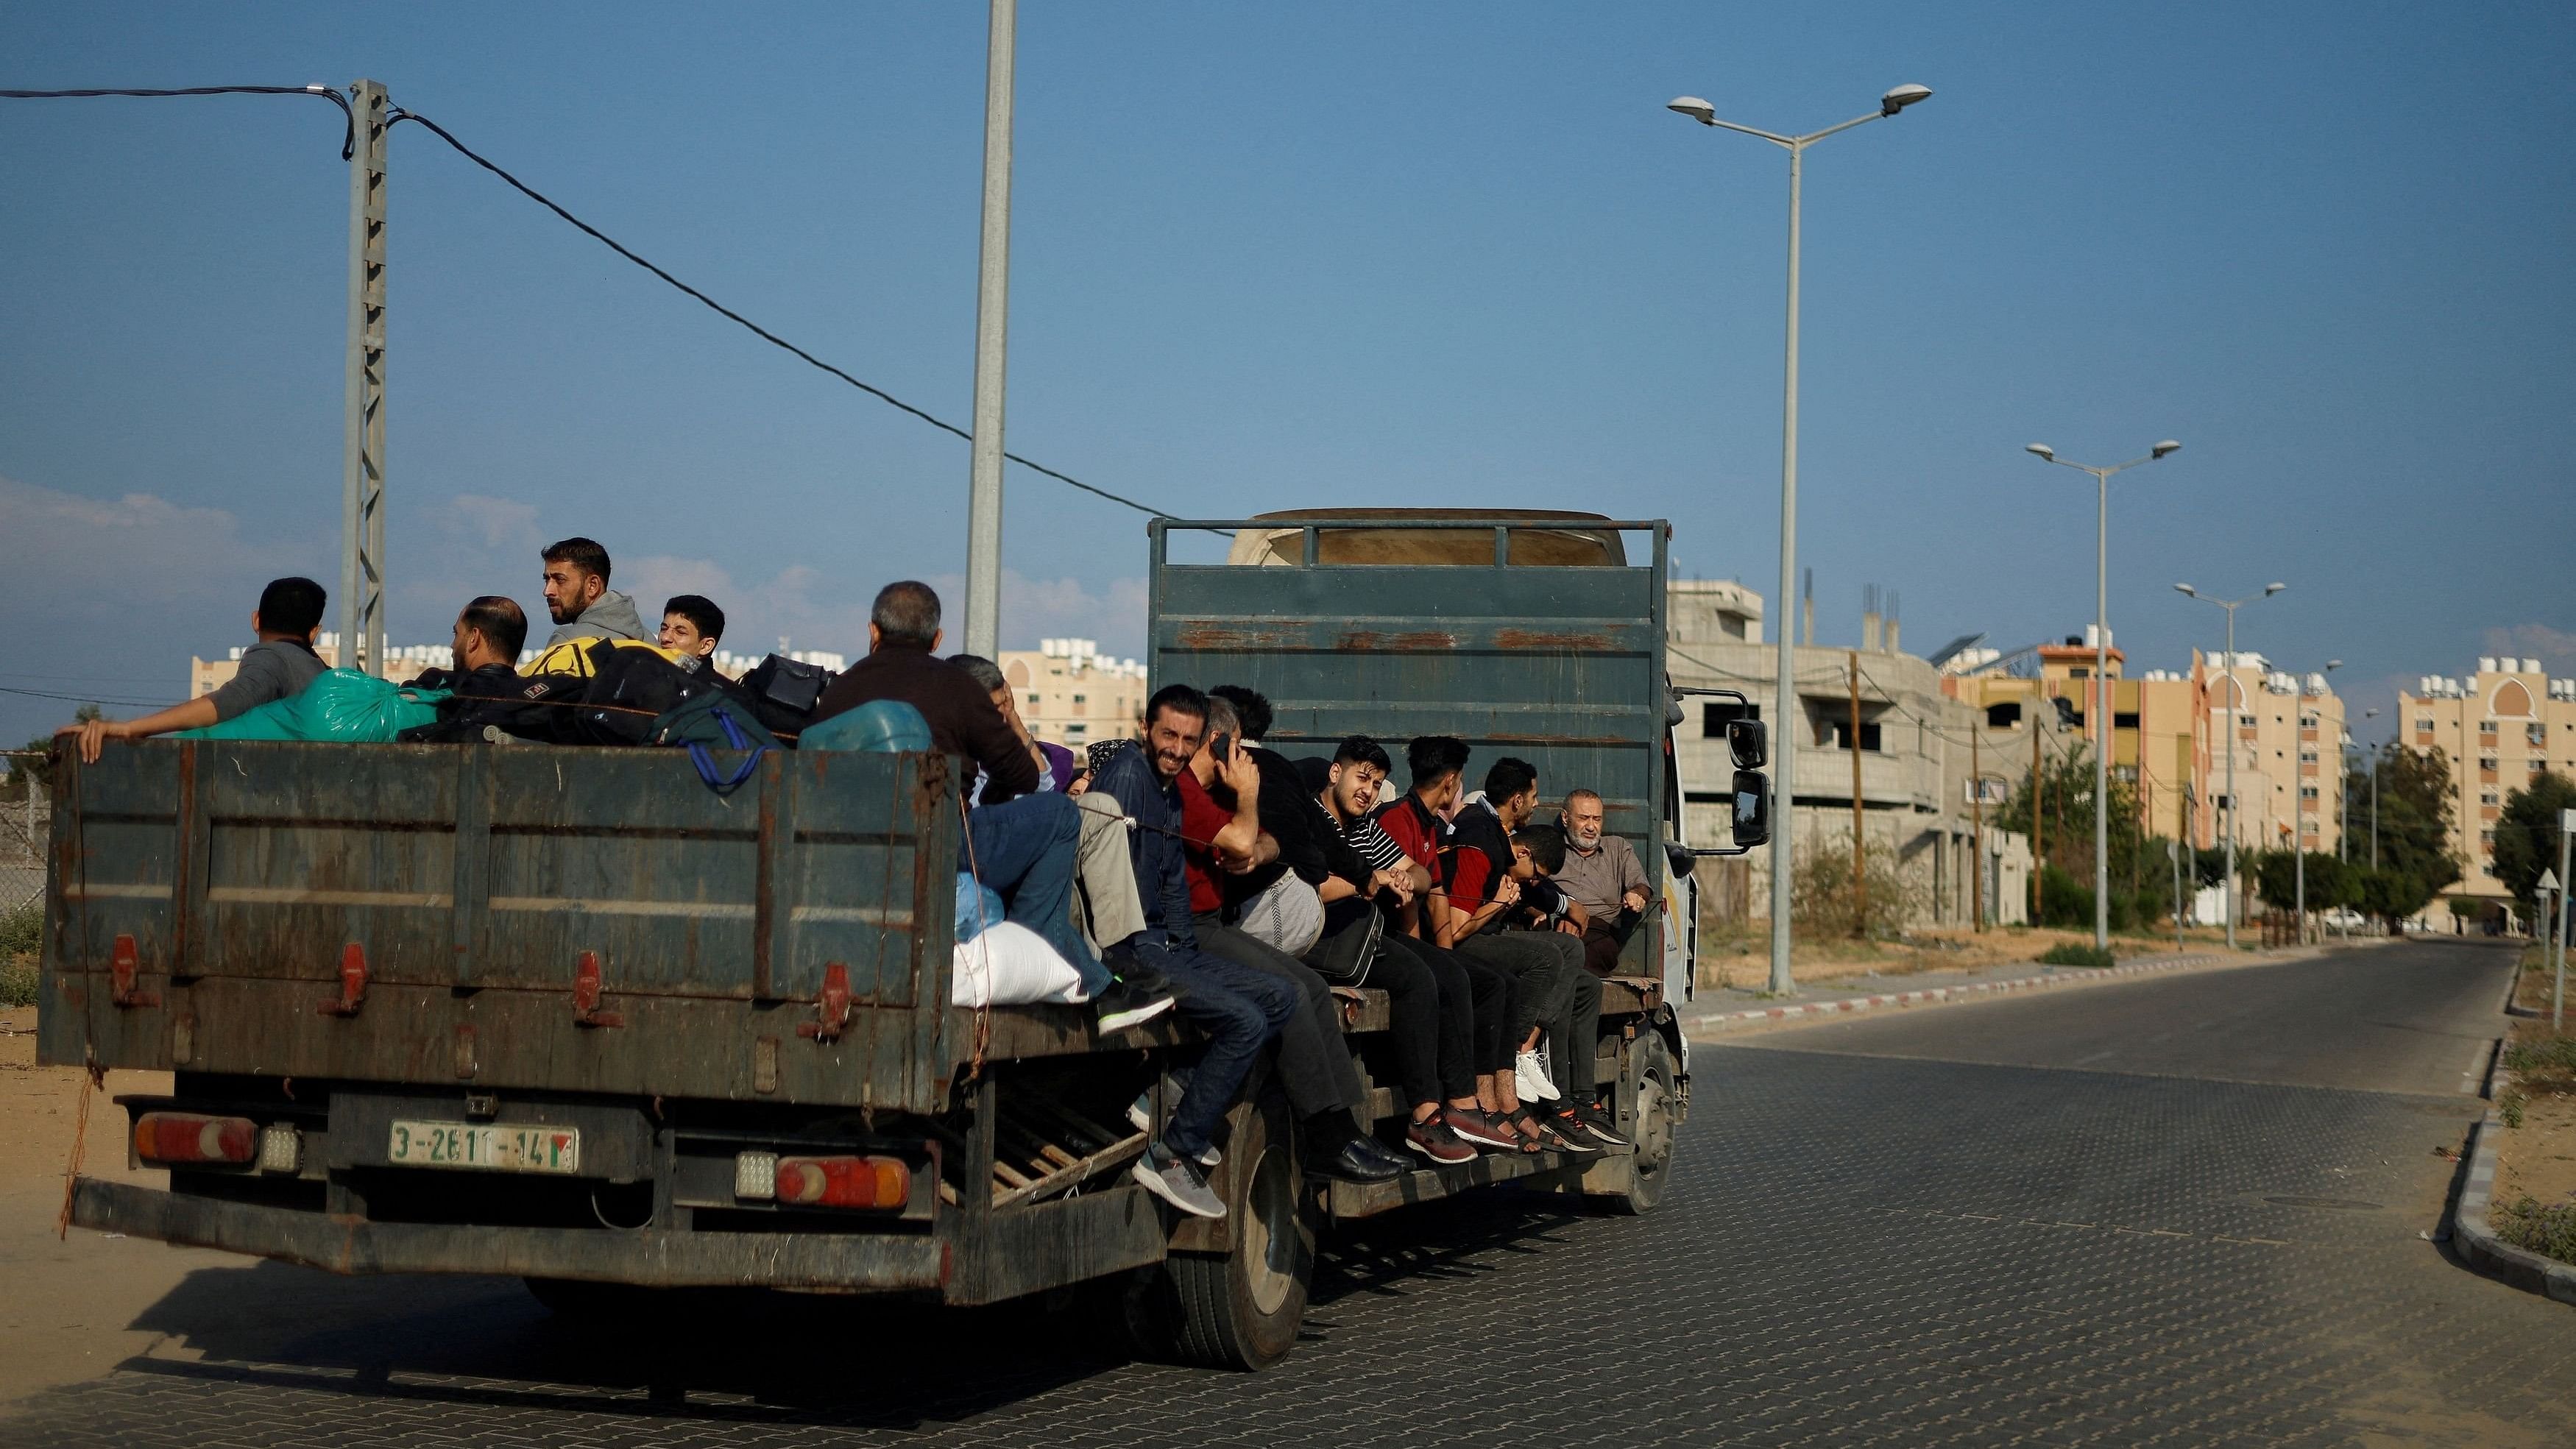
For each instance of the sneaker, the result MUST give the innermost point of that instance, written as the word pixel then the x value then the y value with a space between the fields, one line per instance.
pixel 1436 1140
pixel 1592 1124
pixel 1122 1006
pixel 1140 1115
pixel 1177 1182
pixel 1529 1078
pixel 1474 1126
pixel 1553 1140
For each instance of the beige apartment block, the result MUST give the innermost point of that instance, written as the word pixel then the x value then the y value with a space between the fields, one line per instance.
pixel 2288 734
pixel 2499 729
pixel 1072 694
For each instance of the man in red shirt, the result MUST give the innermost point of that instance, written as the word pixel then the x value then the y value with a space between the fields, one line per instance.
pixel 1221 825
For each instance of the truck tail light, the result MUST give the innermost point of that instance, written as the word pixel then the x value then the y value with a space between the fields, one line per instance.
pixel 281 1147
pixel 188 1137
pixel 844 1182
pixel 755 1175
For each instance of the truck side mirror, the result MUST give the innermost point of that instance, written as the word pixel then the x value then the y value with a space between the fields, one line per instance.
pixel 1752 809
pixel 1680 857
pixel 1749 741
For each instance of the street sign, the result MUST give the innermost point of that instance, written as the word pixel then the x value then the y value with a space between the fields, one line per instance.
pixel 2548 881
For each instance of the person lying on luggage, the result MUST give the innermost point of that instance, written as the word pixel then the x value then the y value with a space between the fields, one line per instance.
pixel 484 651
pixel 579 598
pixel 692 625
pixel 279 665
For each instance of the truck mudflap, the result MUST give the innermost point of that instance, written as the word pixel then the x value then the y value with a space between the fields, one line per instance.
pixel 647 1257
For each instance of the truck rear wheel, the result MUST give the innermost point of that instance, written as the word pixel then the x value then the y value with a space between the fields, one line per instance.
pixel 1648 1097
pixel 1241 1309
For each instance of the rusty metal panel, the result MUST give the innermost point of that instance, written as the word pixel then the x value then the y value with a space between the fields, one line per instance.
pixel 1559 665
pixel 567 918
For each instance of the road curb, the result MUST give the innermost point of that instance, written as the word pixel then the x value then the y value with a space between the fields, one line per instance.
pixel 1810 1010
pixel 2476 1241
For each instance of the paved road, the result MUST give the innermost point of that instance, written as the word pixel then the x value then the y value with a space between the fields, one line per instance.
pixel 2178 1211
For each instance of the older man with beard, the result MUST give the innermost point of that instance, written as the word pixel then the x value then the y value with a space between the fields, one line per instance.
pixel 1603 875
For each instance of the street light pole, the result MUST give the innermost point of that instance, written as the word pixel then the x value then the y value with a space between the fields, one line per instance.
pixel 2099 715
pixel 992 333
pixel 2234 690
pixel 1784 734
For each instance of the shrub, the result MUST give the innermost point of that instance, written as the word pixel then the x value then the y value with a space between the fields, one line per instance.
pixel 2542 1058
pixel 1820 893
pixel 2069 953
pixel 20 939
pixel 2548 1231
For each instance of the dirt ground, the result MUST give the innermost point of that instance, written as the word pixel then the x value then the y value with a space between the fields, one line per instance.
pixel 66 1305
pixel 1742 958
pixel 2539 1157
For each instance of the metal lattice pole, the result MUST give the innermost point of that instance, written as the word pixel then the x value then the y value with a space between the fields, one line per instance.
pixel 362 454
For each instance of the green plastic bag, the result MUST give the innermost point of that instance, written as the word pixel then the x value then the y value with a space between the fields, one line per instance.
pixel 342 706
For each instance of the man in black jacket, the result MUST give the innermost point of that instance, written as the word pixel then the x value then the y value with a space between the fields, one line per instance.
pixel 1021 844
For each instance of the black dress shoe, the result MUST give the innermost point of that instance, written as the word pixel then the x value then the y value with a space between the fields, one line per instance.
pixel 1354 1162
pixel 1388 1155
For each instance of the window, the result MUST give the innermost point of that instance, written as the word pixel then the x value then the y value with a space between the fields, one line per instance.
pixel 2307 792
pixel 1077 699
pixel 1034 701
pixel 2487 797
pixel 1717 714
pixel 2307 721
pixel 2486 841
pixel 2487 763
pixel 2486 726
pixel 2003 716
pixel 2307 757
pixel 2423 726
pixel 1869 736
pixel 2125 773
pixel 2536 733
pixel 2079 672
pixel 2121 721
pixel 1076 731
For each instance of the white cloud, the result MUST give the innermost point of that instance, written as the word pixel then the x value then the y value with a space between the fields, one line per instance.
pixel 2554 648
pixel 495 522
pixel 66 550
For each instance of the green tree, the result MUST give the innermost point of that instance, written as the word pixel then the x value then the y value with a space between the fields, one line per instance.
pixel 2414 817
pixel 35 762
pixel 2526 834
pixel 2276 880
pixel 2066 819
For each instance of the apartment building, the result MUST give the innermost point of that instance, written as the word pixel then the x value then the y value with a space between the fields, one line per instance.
pixel 2287 731
pixel 1072 694
pixel 2499 729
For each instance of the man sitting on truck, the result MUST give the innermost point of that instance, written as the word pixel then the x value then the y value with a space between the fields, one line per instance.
pixel 279 665
pixel 1603 876
pixel 482 650
pixel 1022 845
pixel 1225 839
pixel 579 598
pixel 692 626
pixel 1239 1010
pixel 1440 1060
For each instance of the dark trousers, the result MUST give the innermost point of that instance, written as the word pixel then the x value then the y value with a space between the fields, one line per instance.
pixel 1239 1010
pixel 1025 849
pixel 1433 1018
pixel 1604 940
pixel 1315 1066
pixel 1556 994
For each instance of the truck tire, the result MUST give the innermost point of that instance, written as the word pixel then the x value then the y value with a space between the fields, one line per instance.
pixel 1647 1097
pixel 1240 1309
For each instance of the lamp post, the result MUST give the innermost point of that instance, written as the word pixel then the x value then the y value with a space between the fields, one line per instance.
pixel 2099 713
pixel 1784 736
pixel 2234 690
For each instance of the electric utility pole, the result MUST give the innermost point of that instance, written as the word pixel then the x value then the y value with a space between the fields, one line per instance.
pixel 992 306
pixel 362 448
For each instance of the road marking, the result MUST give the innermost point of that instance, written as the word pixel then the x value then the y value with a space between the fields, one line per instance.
pixel 2097 1056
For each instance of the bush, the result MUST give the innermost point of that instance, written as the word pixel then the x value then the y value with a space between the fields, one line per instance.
pixel 20 939
pixel 2548 1231
pixel 2542 1058
pixel 1820 894
pixel 2069 953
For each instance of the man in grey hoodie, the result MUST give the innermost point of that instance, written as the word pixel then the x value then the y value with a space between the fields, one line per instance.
pixel 579 598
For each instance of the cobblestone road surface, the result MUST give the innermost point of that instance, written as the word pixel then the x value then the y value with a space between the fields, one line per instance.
pixel 1936 1229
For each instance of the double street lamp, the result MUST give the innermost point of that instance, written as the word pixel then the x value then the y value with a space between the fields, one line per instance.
pixel 2098 714
pixel 1784 734
pixel 2235 707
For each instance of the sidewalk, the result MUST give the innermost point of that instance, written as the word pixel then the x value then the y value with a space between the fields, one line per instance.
pixel 1722 1009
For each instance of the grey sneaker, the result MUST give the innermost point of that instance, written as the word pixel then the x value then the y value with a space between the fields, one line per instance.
pixel 1140 1115
pixel 1176 1181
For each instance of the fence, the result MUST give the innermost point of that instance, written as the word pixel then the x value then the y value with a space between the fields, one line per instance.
pixel 25 818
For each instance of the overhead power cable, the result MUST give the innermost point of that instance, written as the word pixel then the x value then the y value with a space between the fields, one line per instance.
pixel 348 146
pixel 764 334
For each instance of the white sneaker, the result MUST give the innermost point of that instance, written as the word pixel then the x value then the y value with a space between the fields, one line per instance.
pixel 1529 1078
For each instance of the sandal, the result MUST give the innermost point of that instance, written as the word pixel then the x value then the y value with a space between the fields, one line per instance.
pixel 1532 1133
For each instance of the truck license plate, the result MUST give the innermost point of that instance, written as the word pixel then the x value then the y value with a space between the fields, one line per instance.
pixel 490 1146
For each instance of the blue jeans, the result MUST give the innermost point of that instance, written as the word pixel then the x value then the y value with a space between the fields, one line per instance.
pixel 1238 1009
pixel 1025 849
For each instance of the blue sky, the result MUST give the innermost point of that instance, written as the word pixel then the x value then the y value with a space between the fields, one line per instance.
pixel 1296 255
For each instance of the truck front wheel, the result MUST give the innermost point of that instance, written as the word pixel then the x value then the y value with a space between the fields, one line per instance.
pixel 1241 1308
pixel 1648 1101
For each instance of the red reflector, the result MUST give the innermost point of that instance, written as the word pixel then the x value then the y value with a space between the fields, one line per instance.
pixel 846 1182
pixel 187 1137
